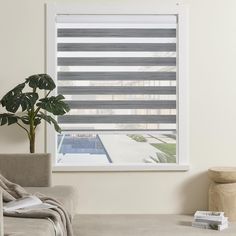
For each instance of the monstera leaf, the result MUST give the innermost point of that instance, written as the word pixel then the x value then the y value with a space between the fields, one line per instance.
pixel 54 105
pixel 8 118
pixel 15 99
pixel 41 81
pixel 10 100
pixel 50 120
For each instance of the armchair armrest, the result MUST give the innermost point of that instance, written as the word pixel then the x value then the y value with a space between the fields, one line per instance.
pixel 27 170
pixel 1 214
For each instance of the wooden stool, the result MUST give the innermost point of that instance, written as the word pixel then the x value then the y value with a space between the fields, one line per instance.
pixel 222 193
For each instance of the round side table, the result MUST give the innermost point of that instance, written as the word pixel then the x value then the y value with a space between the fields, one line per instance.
pixel 222 192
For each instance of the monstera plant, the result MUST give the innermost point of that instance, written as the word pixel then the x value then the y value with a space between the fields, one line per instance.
pixel 27 109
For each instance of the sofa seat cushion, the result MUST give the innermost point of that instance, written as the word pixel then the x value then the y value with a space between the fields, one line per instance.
pixel 67 195
pixel 14 226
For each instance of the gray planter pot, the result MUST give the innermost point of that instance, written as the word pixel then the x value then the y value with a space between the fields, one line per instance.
pixel 27 170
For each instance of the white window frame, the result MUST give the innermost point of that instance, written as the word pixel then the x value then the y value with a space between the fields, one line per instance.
pixel 53 10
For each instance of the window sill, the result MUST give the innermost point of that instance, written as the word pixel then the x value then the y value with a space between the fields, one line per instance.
pixel 123 168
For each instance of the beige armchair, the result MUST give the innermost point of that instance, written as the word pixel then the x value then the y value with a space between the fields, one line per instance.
pixel 1 214
pixel 26 170
pixel 34 173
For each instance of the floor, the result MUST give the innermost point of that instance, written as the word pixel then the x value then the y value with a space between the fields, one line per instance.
pixel 142 225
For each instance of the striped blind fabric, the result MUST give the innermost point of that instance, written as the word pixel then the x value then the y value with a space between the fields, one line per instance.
pixel 118 72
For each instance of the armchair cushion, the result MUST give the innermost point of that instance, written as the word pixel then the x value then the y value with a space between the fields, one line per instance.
pixel 41 227
pixel 67 195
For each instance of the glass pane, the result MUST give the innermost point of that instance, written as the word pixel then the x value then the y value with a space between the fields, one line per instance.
pixel 139 121
pixel 92 149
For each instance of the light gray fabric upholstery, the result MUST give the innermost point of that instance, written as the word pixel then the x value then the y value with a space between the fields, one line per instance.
pixel 34 173
pixel 14 226
pixel 1 214
pixel 59 215
pixel 32 170
pixel 67 195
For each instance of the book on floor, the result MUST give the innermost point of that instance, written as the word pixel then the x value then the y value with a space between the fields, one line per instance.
pixel 224 220
pixel 210 220
pixel 204 225
pixel 26 204
pixel 210 215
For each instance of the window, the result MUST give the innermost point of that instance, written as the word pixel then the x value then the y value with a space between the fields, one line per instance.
pixel 124 79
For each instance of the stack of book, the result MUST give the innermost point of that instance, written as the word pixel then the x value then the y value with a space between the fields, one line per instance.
pixel 210 220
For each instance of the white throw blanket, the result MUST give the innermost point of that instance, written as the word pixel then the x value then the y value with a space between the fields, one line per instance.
pixel 58 216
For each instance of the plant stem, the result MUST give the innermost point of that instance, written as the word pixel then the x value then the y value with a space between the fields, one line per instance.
pixel 23 128
pixel 32 129
pixel 32 142
pixel 32 136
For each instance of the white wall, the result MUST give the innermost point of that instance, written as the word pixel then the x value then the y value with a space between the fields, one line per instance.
pixel 212 107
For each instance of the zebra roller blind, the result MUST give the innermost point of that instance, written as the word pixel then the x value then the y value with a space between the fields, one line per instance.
pixel 118 73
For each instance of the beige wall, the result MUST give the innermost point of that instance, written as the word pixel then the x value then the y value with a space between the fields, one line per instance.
pixel 212 64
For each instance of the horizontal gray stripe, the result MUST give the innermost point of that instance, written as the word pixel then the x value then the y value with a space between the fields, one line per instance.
pixel 76 90
pixel 147 33
pixel 138 104
pixel 120 47
pixel 120 130
pixel 116 61
pixel 116 75
pixel 119 119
